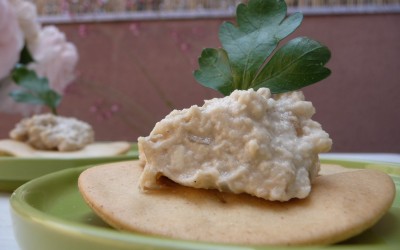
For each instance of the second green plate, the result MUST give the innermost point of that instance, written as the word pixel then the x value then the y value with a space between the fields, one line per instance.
pixel 16 171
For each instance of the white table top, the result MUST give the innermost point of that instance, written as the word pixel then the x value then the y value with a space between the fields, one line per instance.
pixel 8 242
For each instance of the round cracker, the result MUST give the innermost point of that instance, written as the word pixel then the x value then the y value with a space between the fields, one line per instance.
pixel 340 206
pixel 97 149
pixel 327 169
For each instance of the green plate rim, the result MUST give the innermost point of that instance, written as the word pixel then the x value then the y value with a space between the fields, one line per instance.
pixel 22 209
pixel 11 167
pixel 134 149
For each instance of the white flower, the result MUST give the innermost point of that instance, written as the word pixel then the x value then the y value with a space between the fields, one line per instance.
pixel 27 19
pixel 55 58
pixel 11 39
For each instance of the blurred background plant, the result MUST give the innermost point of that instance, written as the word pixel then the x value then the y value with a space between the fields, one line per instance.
pixel 44 50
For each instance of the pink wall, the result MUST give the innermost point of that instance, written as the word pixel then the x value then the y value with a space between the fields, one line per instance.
pixel 131 74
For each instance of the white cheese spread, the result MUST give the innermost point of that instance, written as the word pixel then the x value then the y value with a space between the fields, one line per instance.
pixel 249 142
pixel 50 132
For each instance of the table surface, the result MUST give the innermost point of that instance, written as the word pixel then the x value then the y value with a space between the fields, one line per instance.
pixel 7 239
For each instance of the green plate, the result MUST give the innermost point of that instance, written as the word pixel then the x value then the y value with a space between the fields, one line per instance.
pixel 16 171
pixel 48 213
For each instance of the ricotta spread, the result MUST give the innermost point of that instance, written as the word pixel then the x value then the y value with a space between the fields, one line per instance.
pixel 249 142
pixel 50 132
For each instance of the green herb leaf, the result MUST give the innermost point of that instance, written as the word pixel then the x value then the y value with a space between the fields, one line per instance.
pixel 20 95
pixel 297 64
pixel 215 71
pixel 241 63
pixel 34 90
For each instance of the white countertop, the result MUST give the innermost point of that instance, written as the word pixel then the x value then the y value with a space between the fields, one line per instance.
pixel 8 242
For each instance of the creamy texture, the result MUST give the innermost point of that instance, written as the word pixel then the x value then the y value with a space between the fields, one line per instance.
pixel 248 142
pixel 50 132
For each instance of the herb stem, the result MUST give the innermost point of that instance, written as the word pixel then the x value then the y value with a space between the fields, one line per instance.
pixel 54 111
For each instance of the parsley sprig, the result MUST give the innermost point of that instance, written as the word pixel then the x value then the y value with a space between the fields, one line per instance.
pixel 241 63
pixel 33 89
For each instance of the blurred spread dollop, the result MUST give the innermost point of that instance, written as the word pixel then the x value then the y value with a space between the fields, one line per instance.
pixel 51 132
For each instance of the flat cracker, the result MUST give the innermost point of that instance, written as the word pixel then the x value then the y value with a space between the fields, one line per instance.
pixel 334 169
pixel 98 149
pixel 340 206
